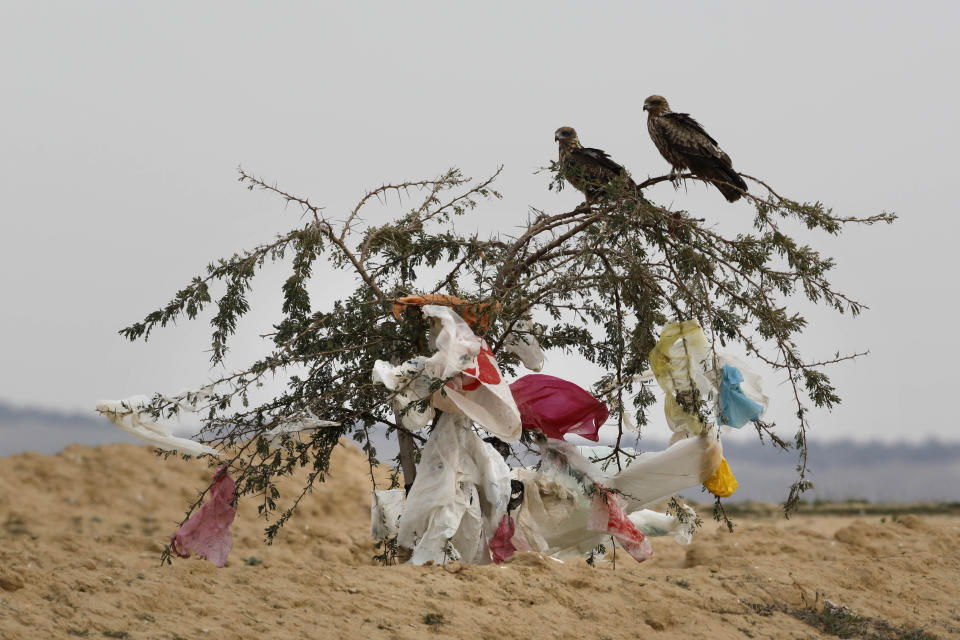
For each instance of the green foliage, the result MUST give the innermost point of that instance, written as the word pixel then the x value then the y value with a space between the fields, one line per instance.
pixel 434 621
pixel 841 622
pixel 599 280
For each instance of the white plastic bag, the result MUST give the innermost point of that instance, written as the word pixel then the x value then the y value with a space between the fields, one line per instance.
pixel 525 345
pixel 386 508
pixel 455 343
pixel 655 476
pixel 654 523
pixel 410 384
pixel 478 389
pixel 130 416
pixel 305 421
pixel 460 493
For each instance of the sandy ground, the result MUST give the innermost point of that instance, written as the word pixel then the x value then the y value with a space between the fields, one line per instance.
pixel 81 535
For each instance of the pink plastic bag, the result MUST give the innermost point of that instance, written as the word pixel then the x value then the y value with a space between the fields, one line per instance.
pixel 501 545
pixel 207 532
pixel 557 407
pixel 606 515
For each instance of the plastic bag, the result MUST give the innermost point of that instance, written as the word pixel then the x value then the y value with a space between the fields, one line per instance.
pixel 477 390
pixel 476 314
pixel 722 483
pixel 735 409
pixel 681 357
pixel 129 415
pixel 458 499
pixel 681 362
pixel 524 344
pixel 655 524
pixel 557 407
pixel 207 532
pixel 455 343
pixel 741 397
pixel 752 384
pixel 501 545
pixel 607 516
pixel 298 424
pixel 552 518
pixel 655 476
pixel 409 385
pixel 386 507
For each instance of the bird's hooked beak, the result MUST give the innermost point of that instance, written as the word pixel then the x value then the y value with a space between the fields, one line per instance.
pixel 556 138
pixel 646 107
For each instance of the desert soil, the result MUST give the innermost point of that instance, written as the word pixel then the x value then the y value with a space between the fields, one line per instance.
pixel 81 534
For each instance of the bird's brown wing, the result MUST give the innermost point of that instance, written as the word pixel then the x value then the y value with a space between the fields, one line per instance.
pixel 599 159
pixel 686 136
pixel 590 170
pixel 685 139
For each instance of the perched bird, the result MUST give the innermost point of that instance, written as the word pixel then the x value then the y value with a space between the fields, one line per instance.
pixel 588 170
pixel 685 145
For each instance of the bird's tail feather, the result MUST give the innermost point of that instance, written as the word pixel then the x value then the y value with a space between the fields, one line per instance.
pixel 736 186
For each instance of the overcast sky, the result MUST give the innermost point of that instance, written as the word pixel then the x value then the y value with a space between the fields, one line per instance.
pixel 123 123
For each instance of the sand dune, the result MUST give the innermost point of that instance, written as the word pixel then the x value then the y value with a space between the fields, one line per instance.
pixel 81 534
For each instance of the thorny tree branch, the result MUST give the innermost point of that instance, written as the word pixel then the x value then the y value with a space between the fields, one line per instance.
pixel 600 279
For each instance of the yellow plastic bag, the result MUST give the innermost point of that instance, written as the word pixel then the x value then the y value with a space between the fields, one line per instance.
pixel 722 483
pixel 681 362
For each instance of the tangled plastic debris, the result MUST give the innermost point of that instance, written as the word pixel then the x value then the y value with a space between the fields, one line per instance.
pixel 460 506
pixel 465 503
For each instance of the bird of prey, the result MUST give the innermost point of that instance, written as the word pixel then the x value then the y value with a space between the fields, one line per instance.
pixel 685 145
pixel 588 170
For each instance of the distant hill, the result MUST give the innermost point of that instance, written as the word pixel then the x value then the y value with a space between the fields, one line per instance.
pixel 46 431
pixel 839 470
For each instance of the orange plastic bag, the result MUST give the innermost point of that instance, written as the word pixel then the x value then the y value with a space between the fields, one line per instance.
pixel 476 314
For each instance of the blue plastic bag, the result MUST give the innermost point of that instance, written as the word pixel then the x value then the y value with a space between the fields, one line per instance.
pixel 736 409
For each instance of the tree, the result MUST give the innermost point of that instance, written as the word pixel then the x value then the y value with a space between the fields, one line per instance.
pixel 600 279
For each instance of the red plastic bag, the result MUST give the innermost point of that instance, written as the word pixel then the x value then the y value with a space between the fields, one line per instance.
pixel 606 515
pixel 207 532
pixel 557 407
pixel 501 545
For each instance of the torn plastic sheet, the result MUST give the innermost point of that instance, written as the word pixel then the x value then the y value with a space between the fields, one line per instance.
pixel 409 385
pixel 305 421
pixel 523 343
pixel 131 416
pixel 557 407
pixel 458 499
pixel 386 507
pixel 478 389
pixel 207 531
